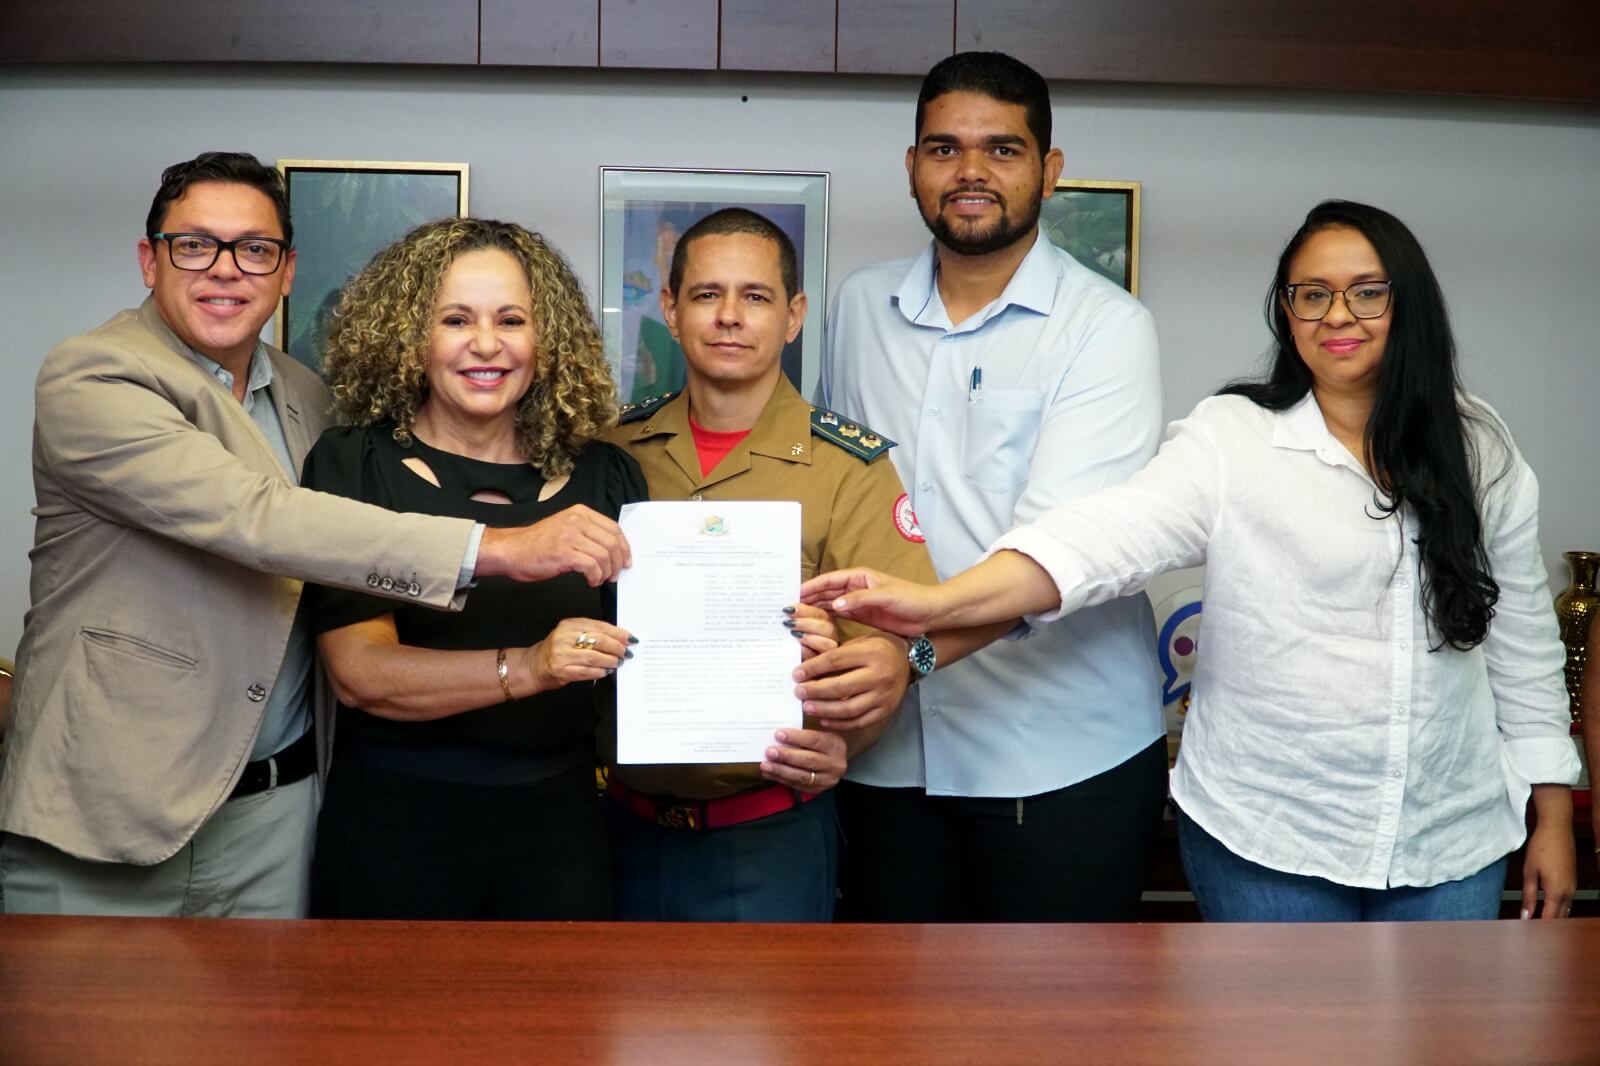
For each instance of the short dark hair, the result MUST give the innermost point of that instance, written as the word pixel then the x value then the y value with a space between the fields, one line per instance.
pixel 728 222
pixel 232 168
pixel 995 75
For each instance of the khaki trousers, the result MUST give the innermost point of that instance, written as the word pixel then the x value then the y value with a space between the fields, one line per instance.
pixel 251 860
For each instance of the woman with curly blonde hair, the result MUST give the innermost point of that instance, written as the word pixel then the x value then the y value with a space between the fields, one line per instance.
pixel 377 356
pixel 470 371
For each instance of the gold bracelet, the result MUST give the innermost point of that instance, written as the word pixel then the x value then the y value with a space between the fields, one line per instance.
pixel 503 672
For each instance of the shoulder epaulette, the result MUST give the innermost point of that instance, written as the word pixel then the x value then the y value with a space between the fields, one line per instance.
pixel 638 412
pixel 853 437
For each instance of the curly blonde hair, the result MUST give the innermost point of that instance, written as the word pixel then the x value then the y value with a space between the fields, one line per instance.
pixel 376 356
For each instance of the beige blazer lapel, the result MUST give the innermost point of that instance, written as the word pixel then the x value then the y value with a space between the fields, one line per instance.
pixel 292 416
pixel 219 401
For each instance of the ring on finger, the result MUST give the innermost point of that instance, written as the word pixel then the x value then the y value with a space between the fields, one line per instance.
pixel 585 640
pixel 813 782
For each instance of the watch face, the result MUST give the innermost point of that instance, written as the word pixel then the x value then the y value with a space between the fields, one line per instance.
pixel 922 656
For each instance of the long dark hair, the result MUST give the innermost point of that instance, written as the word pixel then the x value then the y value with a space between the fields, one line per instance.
pixel 1416 439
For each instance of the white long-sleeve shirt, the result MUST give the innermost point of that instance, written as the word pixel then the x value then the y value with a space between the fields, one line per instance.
pixel 1325 737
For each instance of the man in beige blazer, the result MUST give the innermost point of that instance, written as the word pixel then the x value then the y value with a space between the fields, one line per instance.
pixel 162 755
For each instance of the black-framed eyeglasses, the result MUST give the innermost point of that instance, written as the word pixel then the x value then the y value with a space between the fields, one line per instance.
pixel 1311 303
pixel 197 251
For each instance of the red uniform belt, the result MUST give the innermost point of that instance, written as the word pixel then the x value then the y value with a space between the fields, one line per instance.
pixel 673 813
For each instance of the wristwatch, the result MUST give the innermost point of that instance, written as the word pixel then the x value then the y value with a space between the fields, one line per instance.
pixel 923 658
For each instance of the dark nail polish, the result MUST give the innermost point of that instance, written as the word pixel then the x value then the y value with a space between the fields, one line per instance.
pixel 633 640
pixel 788 623
pixel 627 655
pixel 796 633
pixel 788 610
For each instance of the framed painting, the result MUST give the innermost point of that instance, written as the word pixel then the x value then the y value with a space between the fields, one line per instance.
pixel 344 213
pixel 1097 223
pixel 642 213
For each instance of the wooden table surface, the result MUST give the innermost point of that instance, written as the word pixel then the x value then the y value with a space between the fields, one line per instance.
pixel 96 990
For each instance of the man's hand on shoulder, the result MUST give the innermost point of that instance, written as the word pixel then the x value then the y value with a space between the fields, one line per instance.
pixel 577 540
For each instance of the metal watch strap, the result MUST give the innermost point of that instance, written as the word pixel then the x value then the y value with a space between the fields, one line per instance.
pixel 921 657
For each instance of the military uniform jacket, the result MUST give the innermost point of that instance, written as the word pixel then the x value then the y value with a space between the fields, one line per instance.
pixel 854 512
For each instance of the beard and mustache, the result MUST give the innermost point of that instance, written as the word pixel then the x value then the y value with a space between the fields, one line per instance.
pixel 975 238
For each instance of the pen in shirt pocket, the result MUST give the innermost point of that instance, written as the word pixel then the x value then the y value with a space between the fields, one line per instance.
pixel 976 384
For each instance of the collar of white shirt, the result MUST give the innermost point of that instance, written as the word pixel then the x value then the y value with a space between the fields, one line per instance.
pixel 1032 287
pixel 1302 428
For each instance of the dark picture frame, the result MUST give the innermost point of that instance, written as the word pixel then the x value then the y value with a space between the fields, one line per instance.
pixel 344 213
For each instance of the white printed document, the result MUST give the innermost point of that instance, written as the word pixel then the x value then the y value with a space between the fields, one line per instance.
pixel 710 679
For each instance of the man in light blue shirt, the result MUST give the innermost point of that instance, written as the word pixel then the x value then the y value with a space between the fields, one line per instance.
pixel 1025 783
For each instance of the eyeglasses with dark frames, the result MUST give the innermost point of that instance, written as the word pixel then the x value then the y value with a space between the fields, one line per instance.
pixel 1311 303
pixel 198 251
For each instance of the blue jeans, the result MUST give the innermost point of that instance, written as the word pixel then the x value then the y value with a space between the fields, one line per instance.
pixel 784 868
pixel 1232 889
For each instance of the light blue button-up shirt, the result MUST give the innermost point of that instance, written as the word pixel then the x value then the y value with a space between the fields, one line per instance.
pixel 1051 392
pixel 288 711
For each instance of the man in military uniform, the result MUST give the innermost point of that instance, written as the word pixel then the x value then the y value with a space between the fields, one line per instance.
pixel 753 842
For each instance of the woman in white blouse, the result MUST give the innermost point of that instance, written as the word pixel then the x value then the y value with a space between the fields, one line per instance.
pixel 1379 685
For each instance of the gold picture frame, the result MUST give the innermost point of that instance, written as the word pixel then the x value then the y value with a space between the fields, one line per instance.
pixel 1097 223
pixel 345 211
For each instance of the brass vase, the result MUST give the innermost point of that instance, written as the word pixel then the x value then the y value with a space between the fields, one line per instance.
pixel 1575 609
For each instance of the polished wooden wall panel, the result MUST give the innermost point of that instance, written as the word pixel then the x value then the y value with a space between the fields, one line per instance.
pixel 540 33
pixel 659 34
pixel 1547 49
pixel 291 31
pixel 894 36
pixel 778 34
pixel 1539 49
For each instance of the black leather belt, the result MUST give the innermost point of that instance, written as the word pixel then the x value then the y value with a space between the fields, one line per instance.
pixel 297 761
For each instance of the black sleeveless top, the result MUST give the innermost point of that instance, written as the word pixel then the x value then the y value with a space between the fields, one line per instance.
pixel 519 741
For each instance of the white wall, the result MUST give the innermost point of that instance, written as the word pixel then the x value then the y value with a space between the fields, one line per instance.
pixel 1503 196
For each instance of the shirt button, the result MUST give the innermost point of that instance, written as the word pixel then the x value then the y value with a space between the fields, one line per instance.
pixel 256 693
pixel 1395 774
pixel 1405 645
pixel 695 497
pixel 926 486
pixel 934 412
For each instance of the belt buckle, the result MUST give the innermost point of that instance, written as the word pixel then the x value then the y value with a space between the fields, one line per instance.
pixel 669 816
